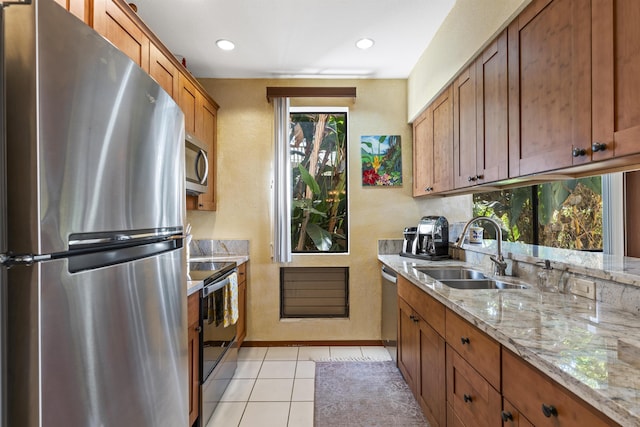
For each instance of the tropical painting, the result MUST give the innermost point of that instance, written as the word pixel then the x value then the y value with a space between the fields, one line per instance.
pixel 381 160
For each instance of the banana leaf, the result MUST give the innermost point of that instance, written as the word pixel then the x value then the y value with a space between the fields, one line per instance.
pixel 321 237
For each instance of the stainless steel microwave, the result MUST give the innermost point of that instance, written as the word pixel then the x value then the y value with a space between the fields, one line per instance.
pixel 196 164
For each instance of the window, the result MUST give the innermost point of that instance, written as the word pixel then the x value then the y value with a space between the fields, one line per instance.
pixel 318 158
pixel 562 214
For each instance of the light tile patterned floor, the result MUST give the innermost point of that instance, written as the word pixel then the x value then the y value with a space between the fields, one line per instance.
pixel 274 386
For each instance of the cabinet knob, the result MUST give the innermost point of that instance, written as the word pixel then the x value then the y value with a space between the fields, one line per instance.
pixel 598 146
pixel 472 178
pixel 507 416
pixel 198 329
pixel 549 410
pixel 464 340
pixel 428 189
pixel 467 398
pixel 577 152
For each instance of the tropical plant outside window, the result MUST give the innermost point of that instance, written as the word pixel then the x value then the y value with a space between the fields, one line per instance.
pixel 318 145
pixel 562 214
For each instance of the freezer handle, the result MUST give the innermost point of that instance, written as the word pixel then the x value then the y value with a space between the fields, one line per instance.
pixel 389 275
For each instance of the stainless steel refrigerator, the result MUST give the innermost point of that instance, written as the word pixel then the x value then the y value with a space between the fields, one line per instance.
pixel 96 293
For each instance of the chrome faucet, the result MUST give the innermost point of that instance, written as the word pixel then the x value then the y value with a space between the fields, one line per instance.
pixel 498 259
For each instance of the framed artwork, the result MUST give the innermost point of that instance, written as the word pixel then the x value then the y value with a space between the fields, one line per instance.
pixel 381 160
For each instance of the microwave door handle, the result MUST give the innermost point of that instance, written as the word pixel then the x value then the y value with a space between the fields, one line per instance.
pixel 201 153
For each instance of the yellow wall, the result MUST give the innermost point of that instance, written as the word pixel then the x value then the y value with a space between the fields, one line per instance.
pixel 468 28
pixel 244 160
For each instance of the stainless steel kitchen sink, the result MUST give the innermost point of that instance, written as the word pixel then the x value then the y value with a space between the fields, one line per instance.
pixel 451 273
pixel 482 284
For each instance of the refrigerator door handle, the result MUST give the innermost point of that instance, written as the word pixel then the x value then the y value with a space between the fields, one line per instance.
pixel 8 260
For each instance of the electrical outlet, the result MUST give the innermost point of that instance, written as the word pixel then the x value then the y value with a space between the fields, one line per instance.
pixel 582 287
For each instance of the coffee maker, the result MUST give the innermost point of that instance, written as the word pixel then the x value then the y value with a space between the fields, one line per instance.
pixel 429 240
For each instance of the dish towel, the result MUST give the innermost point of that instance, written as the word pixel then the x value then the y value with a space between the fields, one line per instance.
pixel 230 292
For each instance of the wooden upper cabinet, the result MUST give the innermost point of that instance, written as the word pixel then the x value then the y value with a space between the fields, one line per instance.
pixel 616 86
pixel 433 147
pixel 550 86
pixel 188 102
pixel 464 129
pixel 164 72
pixel 76 7
pixel 492 87
pixel 117 27
pixel 206 131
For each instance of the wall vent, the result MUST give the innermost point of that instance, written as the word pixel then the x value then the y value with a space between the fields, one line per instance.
pixel 314 292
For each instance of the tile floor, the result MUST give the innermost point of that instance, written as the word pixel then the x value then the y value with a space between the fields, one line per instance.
pixel 274 386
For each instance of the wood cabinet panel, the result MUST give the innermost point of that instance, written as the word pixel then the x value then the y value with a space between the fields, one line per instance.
pixel 425 306
pixel 511 417
pixel 464 129
pixel 530 391
pixel 114 24
pixel 432 386
pixel 78 8
pixel 492 86
pixel 241 329
pixel 206 123
pixel 480 350
pixel 193 320
pixel 471 397
pixel 616 88
pixel 550 86
pixel 433 147
pixel 188 102
pixel 164 72
pixel 408 350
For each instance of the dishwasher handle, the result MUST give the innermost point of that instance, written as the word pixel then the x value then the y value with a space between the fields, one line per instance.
pixel 389 275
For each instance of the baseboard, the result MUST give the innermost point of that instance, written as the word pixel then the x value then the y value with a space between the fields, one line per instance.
pixel 354 343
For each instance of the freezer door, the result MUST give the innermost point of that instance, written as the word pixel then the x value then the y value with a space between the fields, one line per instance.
pixel 95 144
pixel 110 343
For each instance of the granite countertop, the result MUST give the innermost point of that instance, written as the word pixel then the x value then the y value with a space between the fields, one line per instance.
pixel 194 286
pixel 584 345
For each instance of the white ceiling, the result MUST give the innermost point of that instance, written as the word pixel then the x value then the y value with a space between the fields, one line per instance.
pixel 296 38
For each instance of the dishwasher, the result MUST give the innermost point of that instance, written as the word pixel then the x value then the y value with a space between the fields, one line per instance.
pixel 389 327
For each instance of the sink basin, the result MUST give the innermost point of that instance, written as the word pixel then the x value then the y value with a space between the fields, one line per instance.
pixel 481 284
pixel 452 273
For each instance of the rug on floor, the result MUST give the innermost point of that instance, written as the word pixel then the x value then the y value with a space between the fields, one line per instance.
pixel 363 394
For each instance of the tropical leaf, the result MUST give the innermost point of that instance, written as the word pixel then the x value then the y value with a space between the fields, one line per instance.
pixel 321 237
pixel 309 180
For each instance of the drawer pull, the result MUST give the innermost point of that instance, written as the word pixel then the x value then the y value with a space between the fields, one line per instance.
pixel 549 410
pixel 467 398
pixel 507 416
pixel 464 340
pixel 198 329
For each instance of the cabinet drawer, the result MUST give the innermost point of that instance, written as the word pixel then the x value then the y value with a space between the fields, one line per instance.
pixel 470 396
pixel 425 306
pixel 477 348
pixel 242 273
pixel 528 390
pixel 193 308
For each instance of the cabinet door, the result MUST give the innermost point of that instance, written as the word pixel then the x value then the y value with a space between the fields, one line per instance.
pixel 550 86
pixel 242 304
pixel 442 141
pixel 422 155
pixel 511 417
pixel 470 396
pixel 206 116
pixel 408 350
pixel 194 356
pixel 616 87
pixel 492 108
pixel 432 394
pixel 188 103
pixel 114 24
pixel 76 7
pixel 164 72
pixel 464 129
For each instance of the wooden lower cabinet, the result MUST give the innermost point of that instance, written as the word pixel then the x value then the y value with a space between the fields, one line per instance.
pixel 470 396
pixel 541 400
pixel 511 417
pixel 193 320
pixel 241 330
pixel 432 378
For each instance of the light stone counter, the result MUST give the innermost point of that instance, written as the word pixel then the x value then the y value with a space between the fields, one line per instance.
pixel 572 339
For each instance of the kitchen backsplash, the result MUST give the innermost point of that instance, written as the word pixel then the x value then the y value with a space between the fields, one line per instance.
pixel 201 248
pixel 616 279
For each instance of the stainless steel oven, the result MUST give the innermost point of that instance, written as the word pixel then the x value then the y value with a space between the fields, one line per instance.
pixel 218 345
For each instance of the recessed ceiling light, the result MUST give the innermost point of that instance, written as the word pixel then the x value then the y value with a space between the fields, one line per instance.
pixel 225 44
pixel 364 43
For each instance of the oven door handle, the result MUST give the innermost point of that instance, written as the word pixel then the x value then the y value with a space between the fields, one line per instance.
pixel 211 288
